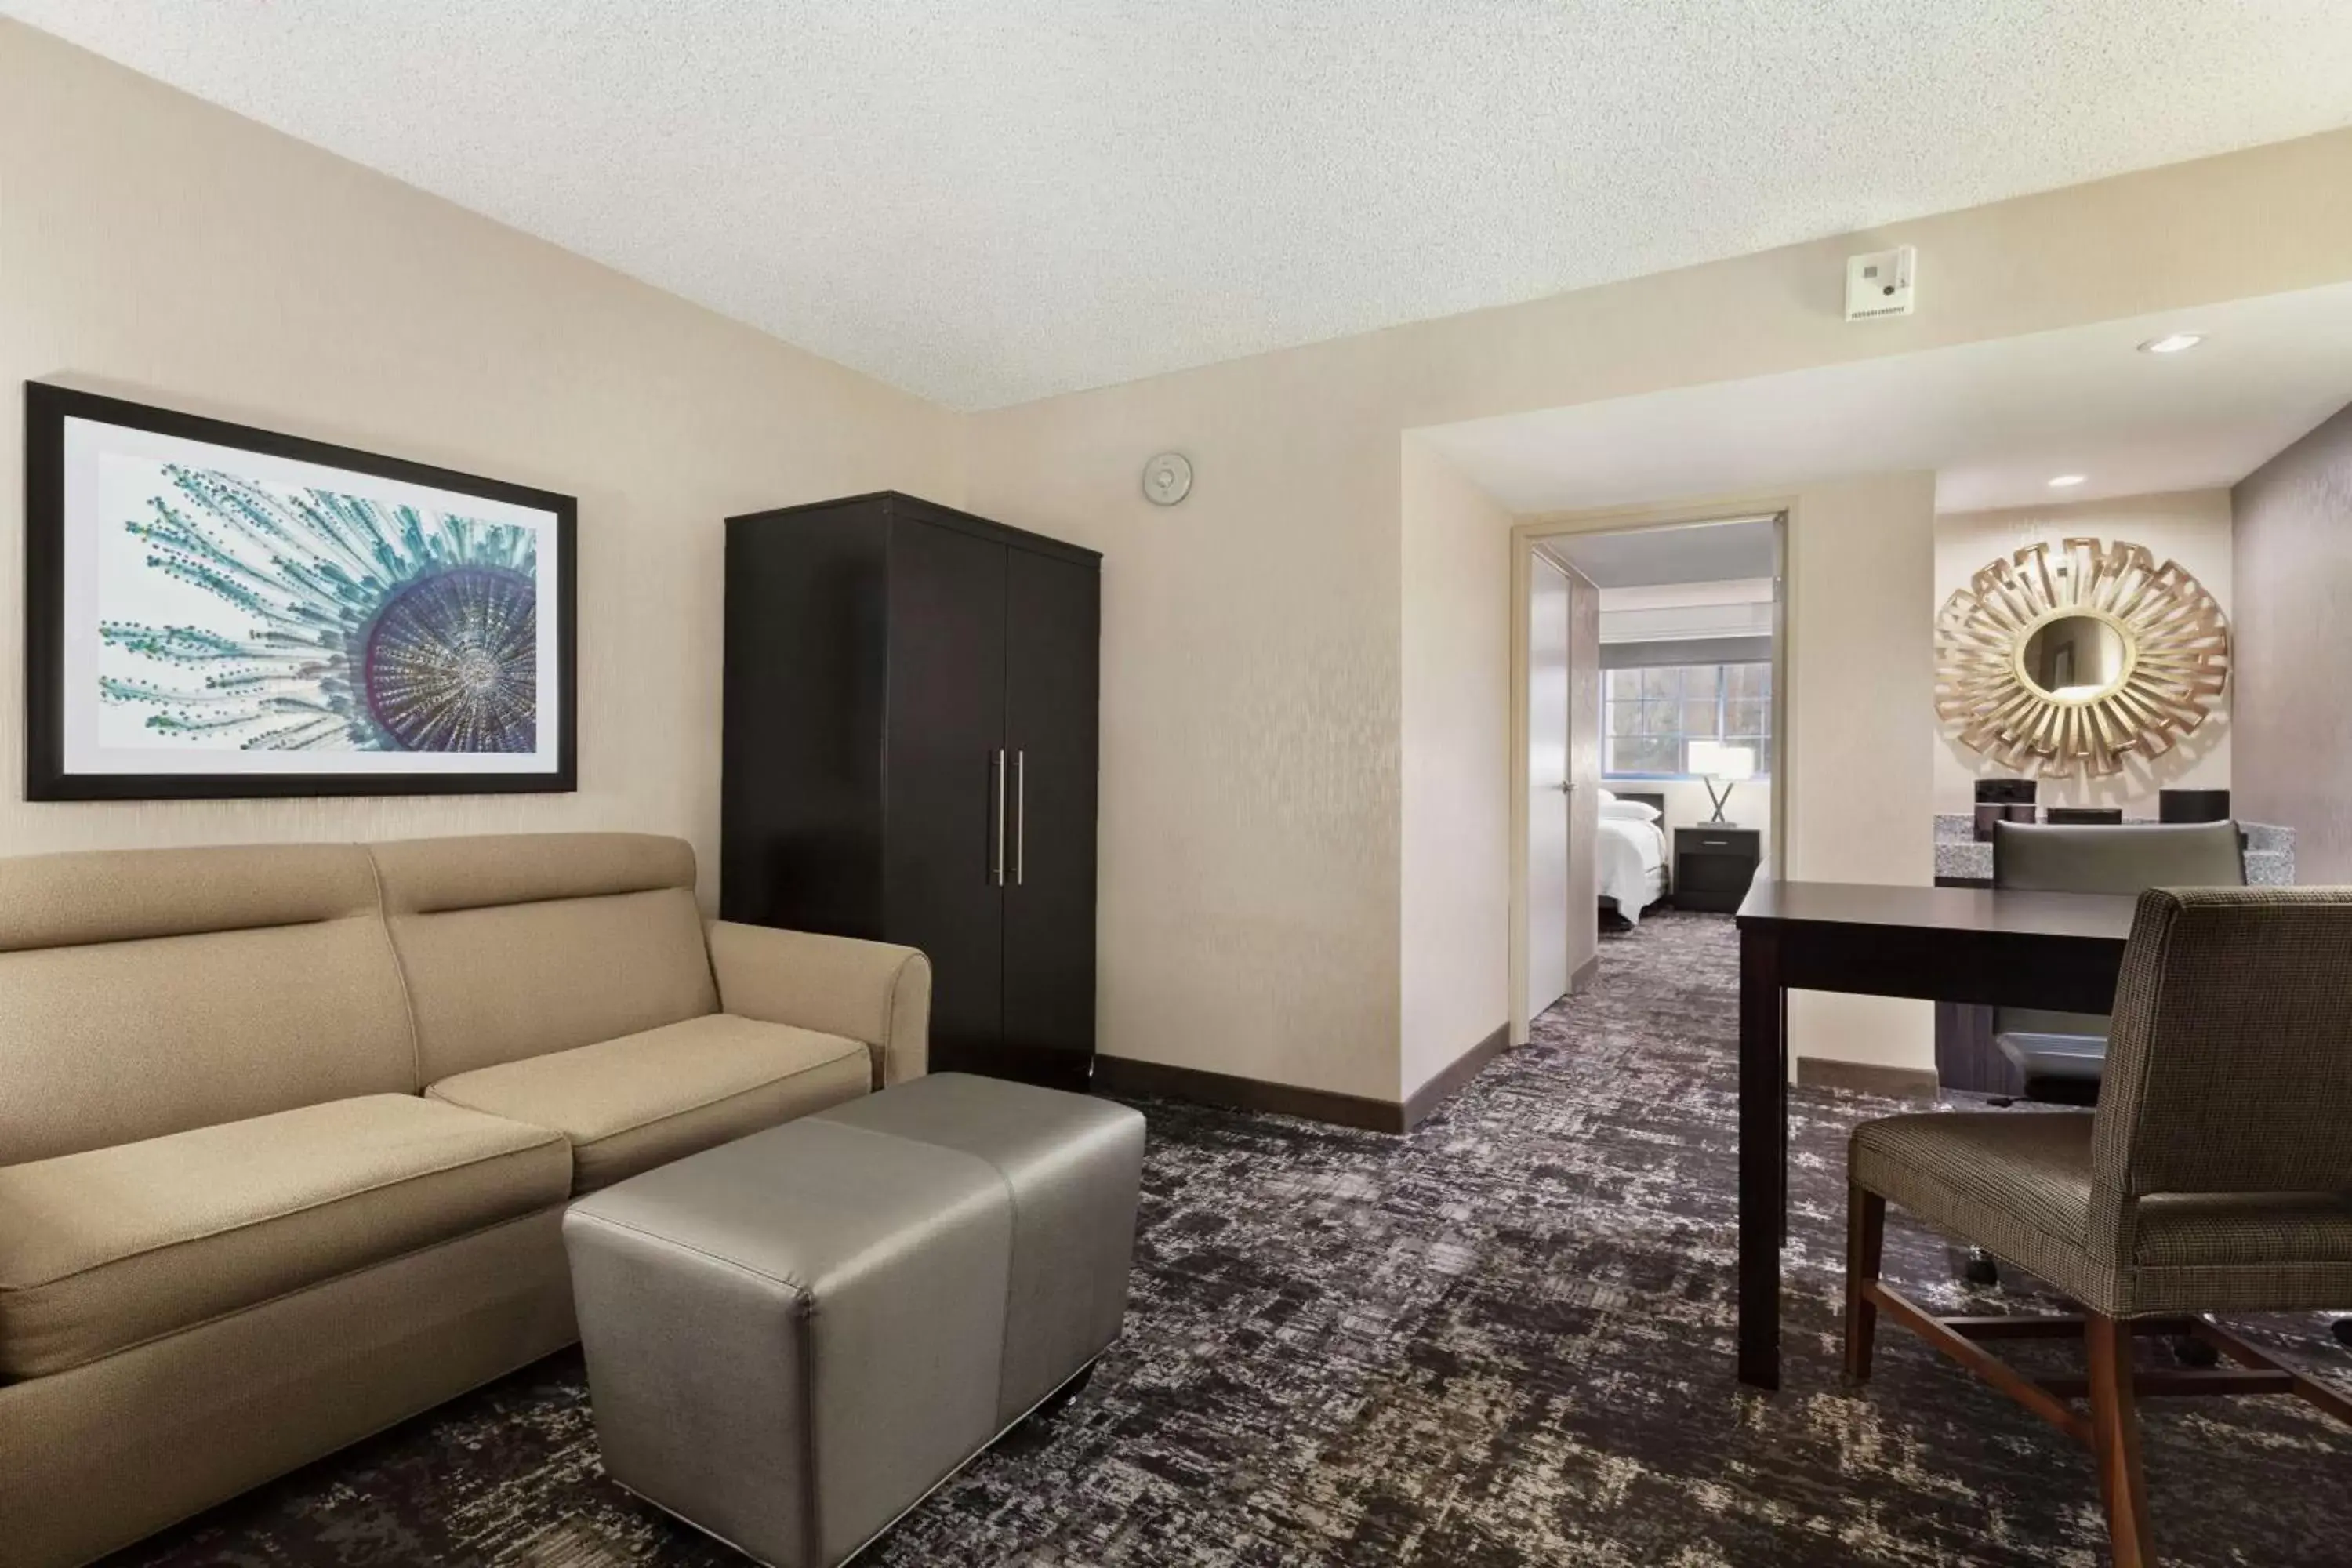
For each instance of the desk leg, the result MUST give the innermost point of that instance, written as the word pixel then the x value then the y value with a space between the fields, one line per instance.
pixel 1763 1154
pixel 1780 1024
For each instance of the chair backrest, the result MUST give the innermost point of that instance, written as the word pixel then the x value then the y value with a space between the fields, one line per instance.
pixel 2107 857
pixel 2123 857
pixel 2230 1063
pixel 146 992
pixel 518 945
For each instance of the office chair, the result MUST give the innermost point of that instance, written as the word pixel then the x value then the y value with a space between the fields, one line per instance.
pixel 2061 1055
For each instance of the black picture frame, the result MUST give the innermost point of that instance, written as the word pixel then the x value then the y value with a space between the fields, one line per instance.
pixel 47 407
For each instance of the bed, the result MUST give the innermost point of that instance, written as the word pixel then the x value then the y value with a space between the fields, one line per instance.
pixel 1633 861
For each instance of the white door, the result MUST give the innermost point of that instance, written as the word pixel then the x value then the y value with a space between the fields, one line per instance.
pixel 1547 783
pixel 1584 781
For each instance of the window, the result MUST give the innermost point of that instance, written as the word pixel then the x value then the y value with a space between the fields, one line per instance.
pixel 1653 715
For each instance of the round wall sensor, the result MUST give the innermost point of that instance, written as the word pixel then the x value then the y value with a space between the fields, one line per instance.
pixel 1167 479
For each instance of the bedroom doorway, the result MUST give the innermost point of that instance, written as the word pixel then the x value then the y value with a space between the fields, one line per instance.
pixel 1678 730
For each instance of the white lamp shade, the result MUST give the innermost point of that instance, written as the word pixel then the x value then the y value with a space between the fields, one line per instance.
pixel 1714 760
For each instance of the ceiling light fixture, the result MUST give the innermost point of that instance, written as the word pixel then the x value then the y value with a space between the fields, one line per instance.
pixel 2172 344
pixel 2067 481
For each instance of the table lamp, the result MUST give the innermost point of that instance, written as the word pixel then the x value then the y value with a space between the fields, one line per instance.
pixel 1720 764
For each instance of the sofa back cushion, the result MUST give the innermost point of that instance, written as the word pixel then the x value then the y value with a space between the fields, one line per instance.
pixel 515 946
pixel 148 992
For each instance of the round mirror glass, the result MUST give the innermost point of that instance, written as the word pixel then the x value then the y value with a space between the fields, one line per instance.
pixel 2074 657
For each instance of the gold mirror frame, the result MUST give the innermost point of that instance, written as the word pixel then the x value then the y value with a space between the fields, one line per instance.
pixel 2176 658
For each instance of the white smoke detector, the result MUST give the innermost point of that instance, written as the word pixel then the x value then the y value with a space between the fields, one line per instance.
pixel 1880 283
pixel 1167 479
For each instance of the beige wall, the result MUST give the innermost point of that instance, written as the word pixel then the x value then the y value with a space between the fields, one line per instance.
pixel 160 249
pixel 1856 772
pixel 2192 527
pixel 1252 680
pixel 2294 722
pixel 1455 941
pixel 1252 710
pixel 1254 824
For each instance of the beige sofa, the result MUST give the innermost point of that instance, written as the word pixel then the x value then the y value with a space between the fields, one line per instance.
pixel 285 1131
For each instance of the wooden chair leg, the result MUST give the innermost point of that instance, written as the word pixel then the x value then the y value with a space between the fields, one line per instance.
pixel 2115 1439
pixel 1866 1241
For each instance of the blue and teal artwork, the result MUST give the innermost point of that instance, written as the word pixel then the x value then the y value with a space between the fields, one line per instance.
pixel 294 620
pixel 218 611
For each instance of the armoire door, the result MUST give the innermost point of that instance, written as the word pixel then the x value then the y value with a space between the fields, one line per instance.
pixel 947 840
pixel 1052 632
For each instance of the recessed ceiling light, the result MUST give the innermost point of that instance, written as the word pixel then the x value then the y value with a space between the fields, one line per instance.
pixel 2172 344
pixel 2067 481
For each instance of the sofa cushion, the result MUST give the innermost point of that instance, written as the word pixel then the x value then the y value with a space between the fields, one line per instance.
pixel 518 945
pixel 644 1100
pixel 109 1247
pixel 148 992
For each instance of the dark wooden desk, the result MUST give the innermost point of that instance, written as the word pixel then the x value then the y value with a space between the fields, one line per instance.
pixel 2059 951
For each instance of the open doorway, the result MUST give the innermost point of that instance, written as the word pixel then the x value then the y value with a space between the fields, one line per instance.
pixel 1650 704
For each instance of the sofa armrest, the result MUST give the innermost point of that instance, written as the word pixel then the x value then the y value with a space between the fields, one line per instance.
pixel 868 991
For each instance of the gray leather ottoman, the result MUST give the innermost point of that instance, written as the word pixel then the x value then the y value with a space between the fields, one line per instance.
pixel 793 1337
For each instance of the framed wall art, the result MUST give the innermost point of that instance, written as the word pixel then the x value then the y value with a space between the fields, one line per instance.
pixel 2080 658
pixel 215 611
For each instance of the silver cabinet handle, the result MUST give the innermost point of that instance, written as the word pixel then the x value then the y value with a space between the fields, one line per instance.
pixel 996 861
pixel 1020 816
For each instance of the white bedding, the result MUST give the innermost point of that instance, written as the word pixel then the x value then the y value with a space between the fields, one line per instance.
pixel 1632 863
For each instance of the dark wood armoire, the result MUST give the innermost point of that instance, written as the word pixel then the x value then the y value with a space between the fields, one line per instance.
pixel 910 744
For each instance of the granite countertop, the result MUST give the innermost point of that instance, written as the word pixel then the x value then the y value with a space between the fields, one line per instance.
pixel 2269 851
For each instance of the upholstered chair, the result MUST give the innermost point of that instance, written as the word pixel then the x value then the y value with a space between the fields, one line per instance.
pixel 2061 1055
pixel 2214 1177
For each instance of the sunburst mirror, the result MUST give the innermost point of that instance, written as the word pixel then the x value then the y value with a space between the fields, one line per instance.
pixel 2078 659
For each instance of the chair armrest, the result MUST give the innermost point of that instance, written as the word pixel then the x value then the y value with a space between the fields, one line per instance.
pixel 871 991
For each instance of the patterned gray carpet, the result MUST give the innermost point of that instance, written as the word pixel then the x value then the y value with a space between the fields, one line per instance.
pixel 1504 1340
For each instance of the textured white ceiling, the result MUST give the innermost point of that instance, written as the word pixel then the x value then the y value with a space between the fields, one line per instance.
pixel 1996 421
pixel 992 201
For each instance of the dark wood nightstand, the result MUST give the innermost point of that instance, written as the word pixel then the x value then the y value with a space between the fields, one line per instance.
pixel 1713 866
